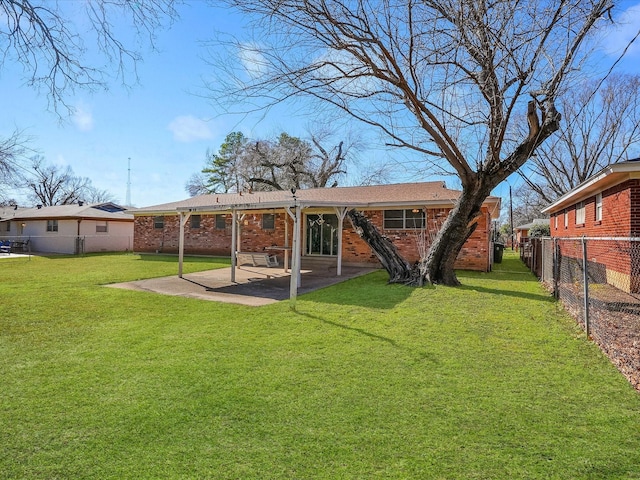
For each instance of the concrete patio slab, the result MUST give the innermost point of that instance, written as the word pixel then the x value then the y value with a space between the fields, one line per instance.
pixel 254 286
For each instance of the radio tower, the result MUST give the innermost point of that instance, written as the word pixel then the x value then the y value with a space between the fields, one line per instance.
pixel 128 201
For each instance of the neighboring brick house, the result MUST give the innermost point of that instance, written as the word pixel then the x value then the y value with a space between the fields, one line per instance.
pixel 70 229
pixel 522 231
pixel 606 206
pixel 400 211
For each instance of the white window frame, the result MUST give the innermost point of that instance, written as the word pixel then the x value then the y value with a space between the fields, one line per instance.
pixel 566 218
pixel 555 221
pixel 405 220
pixel 52 226
pixel 599 207
pixel 580 213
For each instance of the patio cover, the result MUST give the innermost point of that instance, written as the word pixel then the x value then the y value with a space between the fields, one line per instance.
pixel 293 202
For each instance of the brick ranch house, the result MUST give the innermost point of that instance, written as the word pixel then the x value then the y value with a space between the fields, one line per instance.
pixel 522 231
pixel 605 207
pixel 265 223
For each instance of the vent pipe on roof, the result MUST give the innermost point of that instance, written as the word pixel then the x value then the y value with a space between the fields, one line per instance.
pixel 38 207
pixel 80 203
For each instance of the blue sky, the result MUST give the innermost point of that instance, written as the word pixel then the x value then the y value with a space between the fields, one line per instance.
pixel 161 125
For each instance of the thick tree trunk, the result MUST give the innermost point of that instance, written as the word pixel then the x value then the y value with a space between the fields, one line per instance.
pixel 438 267
pixel 398 268
pixel 457 228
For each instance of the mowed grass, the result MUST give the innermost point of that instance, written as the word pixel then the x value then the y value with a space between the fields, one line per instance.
pixel 490 380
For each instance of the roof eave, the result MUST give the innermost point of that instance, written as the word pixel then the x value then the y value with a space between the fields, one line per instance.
pixel 608 177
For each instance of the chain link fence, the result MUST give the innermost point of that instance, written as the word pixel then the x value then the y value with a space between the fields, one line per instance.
pixel 598 282
pixel 69 244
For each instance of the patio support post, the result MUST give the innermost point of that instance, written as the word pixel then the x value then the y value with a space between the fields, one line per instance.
pixel 341 213
pixel 234 240
pixel 183 220
pixel 286 244
pixel 294 278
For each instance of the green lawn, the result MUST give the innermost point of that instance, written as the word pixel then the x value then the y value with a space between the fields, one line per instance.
pixel 364 380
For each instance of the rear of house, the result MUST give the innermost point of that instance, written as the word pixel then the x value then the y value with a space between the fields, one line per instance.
pixel 409 214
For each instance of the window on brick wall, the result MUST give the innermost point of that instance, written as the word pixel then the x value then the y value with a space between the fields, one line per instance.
pixel 555 222
pixel 599 207
pixel 566 219
pixel 580 213
pixel 221 222
pixel 404 219
pixel 158 222
pixel 195 221
pixel 268 221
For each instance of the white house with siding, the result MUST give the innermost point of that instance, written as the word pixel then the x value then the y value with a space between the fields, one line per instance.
pixel 69 229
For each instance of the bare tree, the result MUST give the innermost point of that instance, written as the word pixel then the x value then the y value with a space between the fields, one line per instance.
pixel 49 185
pixel 197 185
pixel 12 149
pixel 280 164
pixel 602 127
pixel 446 79
pixel 96 195
pixel 51 41
pixel 52 48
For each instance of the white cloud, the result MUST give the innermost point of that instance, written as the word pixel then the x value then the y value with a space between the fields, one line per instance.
pixel 82 119
pixel 618 37
pixel 187 128
pixel 253 60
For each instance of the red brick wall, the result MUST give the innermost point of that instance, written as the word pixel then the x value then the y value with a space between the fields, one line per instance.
pixel 620 214
pixel 209 240
pixel 620 218
pixel 204 240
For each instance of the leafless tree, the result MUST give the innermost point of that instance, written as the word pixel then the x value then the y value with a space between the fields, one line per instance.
pixel 197 185
pixel 49 185
pixel 51 41
pixel 602 127
pixel 280 164
pixel 12 149
pixel 447 79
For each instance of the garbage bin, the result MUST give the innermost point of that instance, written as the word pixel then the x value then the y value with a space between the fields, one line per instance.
pixel 498 250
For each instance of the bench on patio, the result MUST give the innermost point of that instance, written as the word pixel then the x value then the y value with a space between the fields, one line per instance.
pixel 257 259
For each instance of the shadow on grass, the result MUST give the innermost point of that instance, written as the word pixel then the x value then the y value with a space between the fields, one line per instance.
pixel 422 356
pixel 352 329
pixel 369 291
pixel 539 297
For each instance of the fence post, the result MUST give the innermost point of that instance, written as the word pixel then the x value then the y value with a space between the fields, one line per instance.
pixel 585 278
pixel 555 269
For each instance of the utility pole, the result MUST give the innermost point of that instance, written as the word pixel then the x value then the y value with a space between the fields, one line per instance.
pixel 511 217
pixel 128 200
